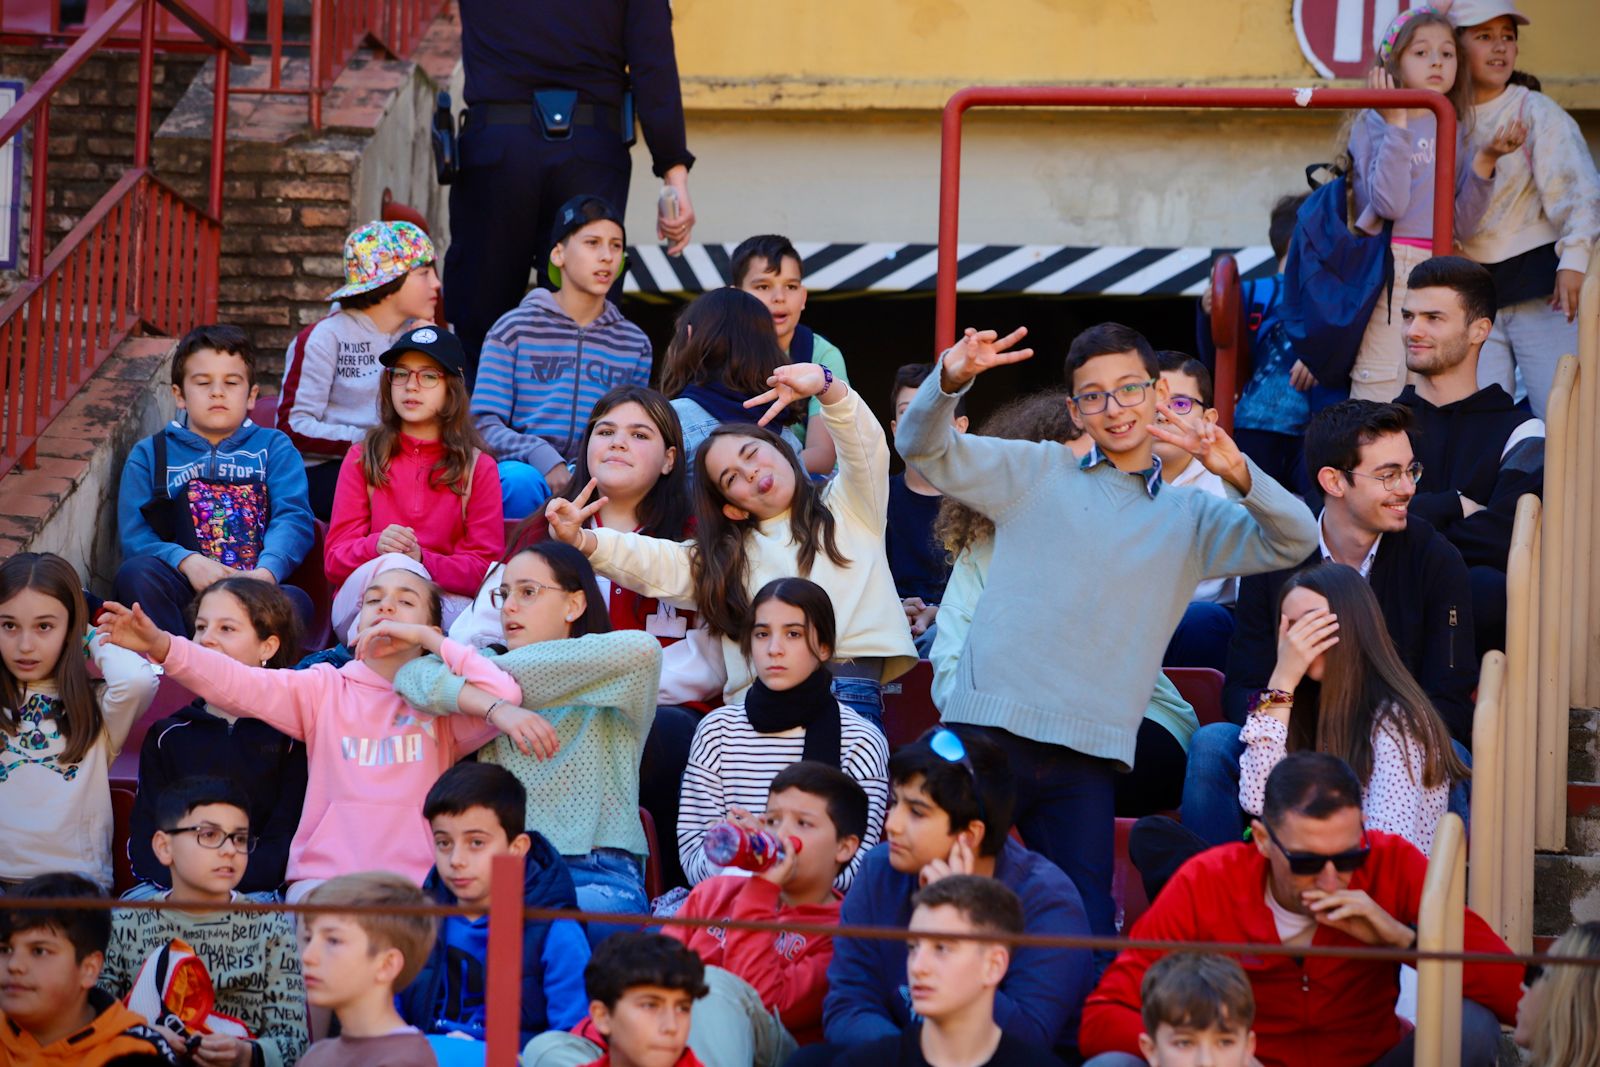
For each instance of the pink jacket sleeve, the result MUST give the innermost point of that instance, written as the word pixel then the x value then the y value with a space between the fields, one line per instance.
pixel 470 732
pixel 482 542
pixel 351 540
pixel 285 700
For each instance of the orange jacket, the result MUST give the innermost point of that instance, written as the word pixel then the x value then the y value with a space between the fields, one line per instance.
pixel 115 1031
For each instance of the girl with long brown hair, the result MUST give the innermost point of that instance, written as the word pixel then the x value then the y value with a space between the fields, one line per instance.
pixel 420 485
pixel 59 731
pixel 1339 687
pixel 758 516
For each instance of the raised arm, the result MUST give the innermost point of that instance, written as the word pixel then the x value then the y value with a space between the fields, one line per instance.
pixel 130 687
pixel 860 448
pixel 1272 530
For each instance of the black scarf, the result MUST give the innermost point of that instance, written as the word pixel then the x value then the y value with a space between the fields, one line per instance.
pixel 725 405
pixel 810 704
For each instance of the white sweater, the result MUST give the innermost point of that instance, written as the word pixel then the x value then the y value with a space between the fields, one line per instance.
pixel 1546 192
pixel 332 389
pixel 871 622
pixel 54 816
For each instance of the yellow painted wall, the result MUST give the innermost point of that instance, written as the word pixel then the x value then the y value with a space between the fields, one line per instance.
pixel 853 54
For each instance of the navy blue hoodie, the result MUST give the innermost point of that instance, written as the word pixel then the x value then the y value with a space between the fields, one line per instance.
pixel 448 993
pixel 1043 991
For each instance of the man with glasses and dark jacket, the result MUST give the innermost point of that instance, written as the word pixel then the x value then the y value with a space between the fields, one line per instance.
pixel 1310 875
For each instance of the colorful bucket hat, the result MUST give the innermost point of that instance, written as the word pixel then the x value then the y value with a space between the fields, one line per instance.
pixel 380 252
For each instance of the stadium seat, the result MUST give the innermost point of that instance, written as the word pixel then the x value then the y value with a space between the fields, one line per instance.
pixel 1201 687
pixel 264 412
pixel 170 696
pixel 122 878
pixel 313 579
pixel 1127 887
pixel 654 886
pixel 908 708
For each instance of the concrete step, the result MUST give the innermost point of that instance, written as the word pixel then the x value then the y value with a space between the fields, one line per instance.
pixel 1583 745
pixel 1583 818
pixel 1566 891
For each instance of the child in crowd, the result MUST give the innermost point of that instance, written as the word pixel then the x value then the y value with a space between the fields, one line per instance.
pixel 952 980
pixel 642 989
pixel 205 840
pixel 1542 222
pixel 211 494
pixel 722 353
pixel 547 360
pixel 769 268
pixel 633 449
pixel 477 812
pixel 916 558
pixel 1156 781
pixel 354 964
pixel 51 1011
pixel 789 714
pixel 1276 401
pixel 59 731
pixel 253 623
pixel 758 516
pixel 767 989
pixel 578 756
pixel 1016 663
pixel 951 814
pixel 1392 154
pixel 1197 1008
pixel 419 485
pixel 331 377
pixel 370 758
pixel 1201 639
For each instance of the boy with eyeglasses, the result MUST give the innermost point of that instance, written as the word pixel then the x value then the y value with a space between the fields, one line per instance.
pixel 1063 699
pixel 204 838
pixel 950 813
pixel 1310 876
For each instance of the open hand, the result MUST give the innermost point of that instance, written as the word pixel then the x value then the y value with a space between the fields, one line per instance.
pixel 1352 912
pixel 1508 137
pixel 1299 645
pixel 388 636
pixel 131 628
pixel 962 861
pixel 978 351
pixel 203 571
pixel 528 730
pixel 1378 78
pixel 791 382
pixel 566 518
pixel 1208 443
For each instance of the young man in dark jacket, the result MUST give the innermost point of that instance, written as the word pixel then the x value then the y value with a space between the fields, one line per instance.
pixel 1481 451
pixel 1310 875
pixel 950 813
pixel 476 812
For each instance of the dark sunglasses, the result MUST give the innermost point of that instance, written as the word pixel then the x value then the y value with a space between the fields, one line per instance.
pixel 947 745
pixel 1309 863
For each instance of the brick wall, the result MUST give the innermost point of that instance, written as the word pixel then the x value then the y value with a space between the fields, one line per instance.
pixel 92 119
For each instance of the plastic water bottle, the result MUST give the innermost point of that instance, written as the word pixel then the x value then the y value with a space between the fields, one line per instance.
pixel 730 845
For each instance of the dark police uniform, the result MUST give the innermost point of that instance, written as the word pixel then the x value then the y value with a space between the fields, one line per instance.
pixel 512 175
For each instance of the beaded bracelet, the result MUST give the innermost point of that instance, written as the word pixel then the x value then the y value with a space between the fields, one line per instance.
pixel 1272 698
pixel 487 716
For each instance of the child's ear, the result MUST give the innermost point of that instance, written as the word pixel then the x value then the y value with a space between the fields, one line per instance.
pixel 600 1015
pixel 1212 415
pixel 824 653
pixel 391 961
pixel 996 961
pixel 161 845
pixel 894 427
pixel 845 849
pixel 1077 419
pixel 177 397
pixel 270 646
pixel 520 845
pixel 1163 389
pixel 973 835
pixel 1147 1049
pixel 89 969
pixel 577 604
pixel 558 254
pixel 255 394
pixel 669 461
pixel 735 514
pixel 961 423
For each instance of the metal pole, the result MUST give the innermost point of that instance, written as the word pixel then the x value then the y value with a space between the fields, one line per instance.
pixel 504 966
pixel 147 63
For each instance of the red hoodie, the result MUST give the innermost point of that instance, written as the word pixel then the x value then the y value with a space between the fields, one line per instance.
pixel 789 970
pixel 1342 1008
pixel 586 1029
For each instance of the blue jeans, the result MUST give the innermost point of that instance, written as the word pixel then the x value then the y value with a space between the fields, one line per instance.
pixel 523 490
pixel 1211 784
pixel 1202 637
pixel 608 880
pixel 864 696
pixel 1066 812
pixel 165 594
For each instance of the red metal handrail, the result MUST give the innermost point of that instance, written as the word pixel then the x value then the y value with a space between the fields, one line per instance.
pixel 142 254
pixel 1186 98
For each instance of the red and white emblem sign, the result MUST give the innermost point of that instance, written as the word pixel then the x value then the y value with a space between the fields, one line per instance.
pixel 1338 36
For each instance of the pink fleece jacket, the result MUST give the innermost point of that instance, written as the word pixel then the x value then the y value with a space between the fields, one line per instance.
pixel 458 542
pixel 372 759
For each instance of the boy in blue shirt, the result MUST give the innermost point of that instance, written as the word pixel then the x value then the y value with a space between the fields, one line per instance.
pixel 476 812
pixel 211 495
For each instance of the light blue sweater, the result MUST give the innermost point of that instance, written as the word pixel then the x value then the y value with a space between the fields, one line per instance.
pixel 1075 546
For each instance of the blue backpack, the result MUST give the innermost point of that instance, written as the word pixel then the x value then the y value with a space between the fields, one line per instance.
pixel 1332 279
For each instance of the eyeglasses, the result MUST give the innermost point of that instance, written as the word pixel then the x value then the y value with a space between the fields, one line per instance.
pixel 428 379
pixel 947 745
pixel 213 837
pixel 526 593
pixel 1309 863
pixel 1094 403
pixel 1181 404
pixel 1392 480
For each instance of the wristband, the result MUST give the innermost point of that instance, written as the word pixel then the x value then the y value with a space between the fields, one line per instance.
pixel 827 379
pixel 487 716
pixel 1272 698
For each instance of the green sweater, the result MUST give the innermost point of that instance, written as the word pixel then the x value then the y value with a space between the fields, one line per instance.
pixel 599 693
pixel 1075 546
pixel 253 960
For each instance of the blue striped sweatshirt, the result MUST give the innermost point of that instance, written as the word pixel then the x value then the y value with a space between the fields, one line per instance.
pixel 540 374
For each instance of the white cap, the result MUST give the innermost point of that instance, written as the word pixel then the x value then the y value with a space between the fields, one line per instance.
pixel 1477 12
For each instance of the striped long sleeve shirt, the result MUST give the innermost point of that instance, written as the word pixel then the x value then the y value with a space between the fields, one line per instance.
pixel 540 374
pixel 730 765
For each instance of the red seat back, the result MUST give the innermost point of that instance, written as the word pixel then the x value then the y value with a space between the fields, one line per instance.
pixel 653 886
pixel 1127 886
pixel 1201 687
pixel 29 16
pixel 908 709
pixel 122 877
pixel 313 579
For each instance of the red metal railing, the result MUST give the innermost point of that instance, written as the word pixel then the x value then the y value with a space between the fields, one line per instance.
pixel 142 254
pixel 1227 380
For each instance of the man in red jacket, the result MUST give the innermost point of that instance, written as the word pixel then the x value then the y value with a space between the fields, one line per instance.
pixel 1311 875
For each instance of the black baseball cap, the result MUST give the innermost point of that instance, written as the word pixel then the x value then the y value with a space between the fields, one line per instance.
pixel 433 341
pixel 578 212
